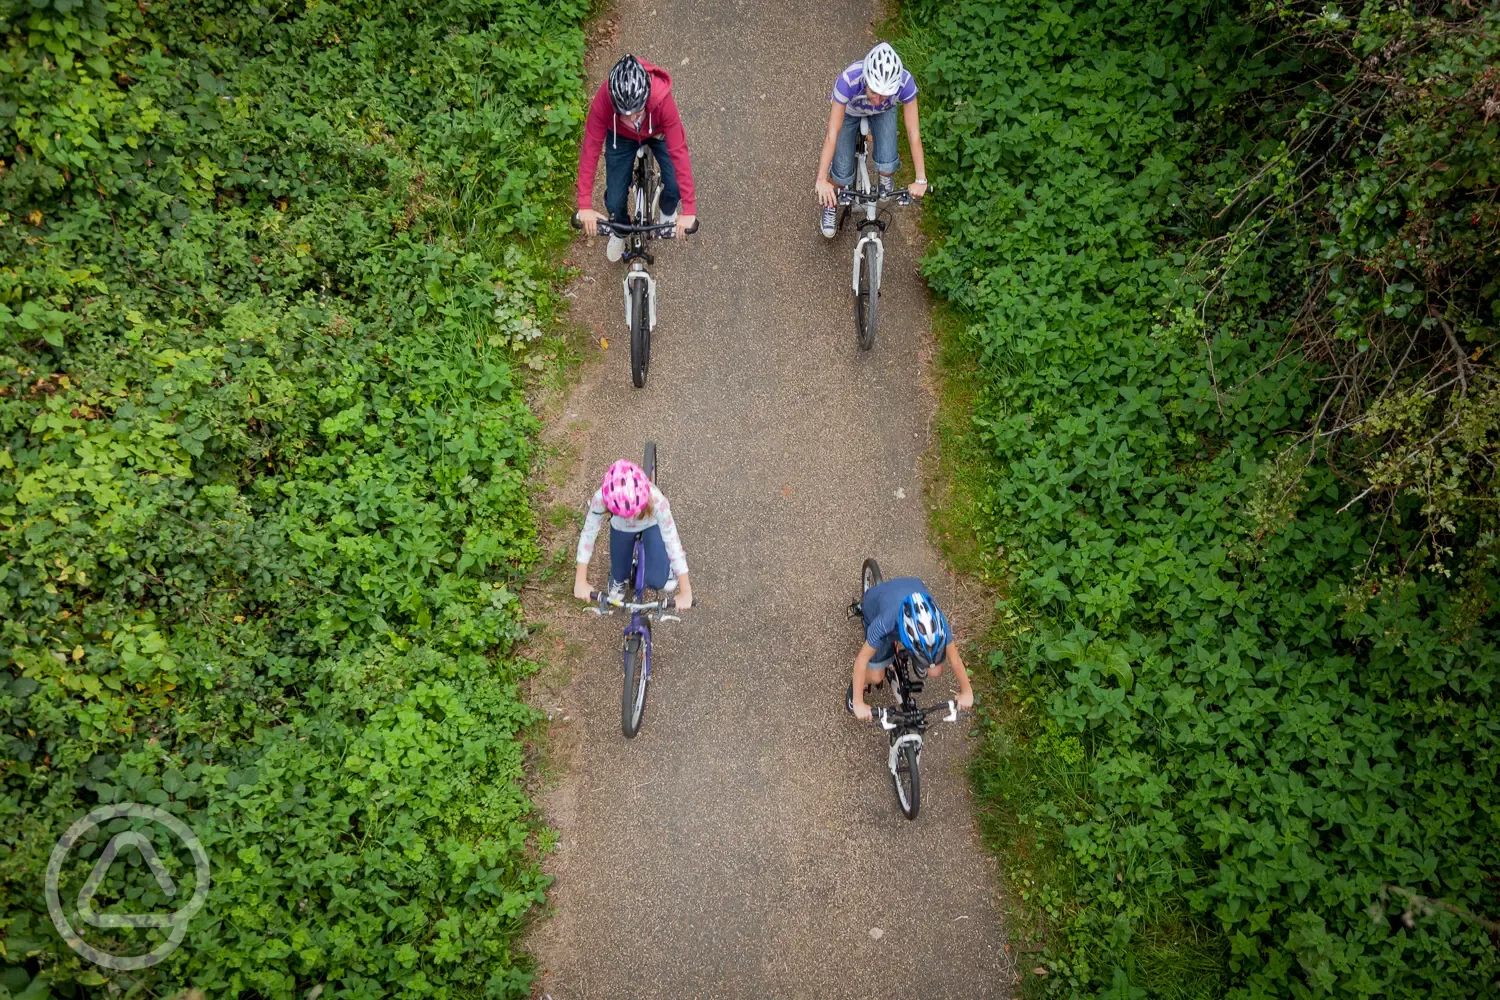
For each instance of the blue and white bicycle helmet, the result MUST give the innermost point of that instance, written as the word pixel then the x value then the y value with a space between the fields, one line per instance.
pixel 924 630
pixel 883 70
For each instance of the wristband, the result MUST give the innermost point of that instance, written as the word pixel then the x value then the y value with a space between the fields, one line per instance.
pixel 920 180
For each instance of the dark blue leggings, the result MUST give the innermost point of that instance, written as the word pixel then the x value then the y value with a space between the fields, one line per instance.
pixel 622 543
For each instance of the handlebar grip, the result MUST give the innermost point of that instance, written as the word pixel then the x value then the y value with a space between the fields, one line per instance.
pixel 575 221
pixel 693 229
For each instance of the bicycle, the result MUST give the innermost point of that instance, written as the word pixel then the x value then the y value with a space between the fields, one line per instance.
pixel 906 723
pixel 637 644
pixel 869 252
pixel 640 286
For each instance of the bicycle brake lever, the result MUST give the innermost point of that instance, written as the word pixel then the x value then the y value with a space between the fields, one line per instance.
pixel 669 618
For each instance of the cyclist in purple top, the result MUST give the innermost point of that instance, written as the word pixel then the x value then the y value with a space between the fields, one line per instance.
pixel 869 89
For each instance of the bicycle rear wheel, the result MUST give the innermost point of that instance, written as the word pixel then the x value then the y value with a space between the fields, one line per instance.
pixel 648 464
pixel 640 333
pixel 866 298
pixel 907 781
pixel 869 575
pixel 633 697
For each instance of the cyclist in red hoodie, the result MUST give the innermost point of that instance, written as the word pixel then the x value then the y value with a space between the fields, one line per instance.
pixel 634 107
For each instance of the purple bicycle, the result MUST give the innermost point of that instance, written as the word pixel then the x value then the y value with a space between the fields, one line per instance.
pixel 637 646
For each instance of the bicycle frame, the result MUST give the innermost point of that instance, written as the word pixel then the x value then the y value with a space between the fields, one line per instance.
pixel 639 625
pixel 870 226
pixel 636 254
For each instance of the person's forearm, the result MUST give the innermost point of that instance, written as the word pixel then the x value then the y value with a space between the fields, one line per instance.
pixel 914 139
pixel 861 664
pixel 825 158
pixel 956 662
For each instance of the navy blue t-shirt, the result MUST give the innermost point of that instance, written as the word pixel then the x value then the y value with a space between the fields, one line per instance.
pixel 882 606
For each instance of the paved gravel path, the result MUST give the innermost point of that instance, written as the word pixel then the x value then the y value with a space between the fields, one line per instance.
pixel 747 842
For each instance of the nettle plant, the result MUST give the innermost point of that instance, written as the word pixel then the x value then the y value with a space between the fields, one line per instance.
pixel 264 460
pixel 1226 274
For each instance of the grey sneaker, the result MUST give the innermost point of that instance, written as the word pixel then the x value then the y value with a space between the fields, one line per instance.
pixel 615 250
pixel 829 222
pixel 887 186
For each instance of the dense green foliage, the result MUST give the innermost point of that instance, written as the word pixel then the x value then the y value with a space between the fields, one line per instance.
pixel 269 272
pixel 1222 272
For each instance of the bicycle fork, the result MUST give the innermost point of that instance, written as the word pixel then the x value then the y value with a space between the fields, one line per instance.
pixel 900 742
pixel 639 275
pixel 859 262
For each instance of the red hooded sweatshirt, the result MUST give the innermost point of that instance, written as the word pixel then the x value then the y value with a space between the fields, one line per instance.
pixel 661 119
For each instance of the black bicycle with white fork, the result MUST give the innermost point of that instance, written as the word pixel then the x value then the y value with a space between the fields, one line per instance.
pixel 906 722
pixel 644 199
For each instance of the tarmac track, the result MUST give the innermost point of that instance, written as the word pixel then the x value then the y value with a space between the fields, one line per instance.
pixel 747 842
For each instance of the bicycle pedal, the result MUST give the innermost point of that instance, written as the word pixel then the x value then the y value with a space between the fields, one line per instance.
pixel 855 610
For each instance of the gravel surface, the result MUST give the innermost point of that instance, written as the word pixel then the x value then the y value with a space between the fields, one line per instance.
pixel 747 844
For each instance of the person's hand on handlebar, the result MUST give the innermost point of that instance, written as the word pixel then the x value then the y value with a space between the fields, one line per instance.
pixel 828 195
pixel 684 226
pixel 589 220
pixel 916 188
pixel 862 712
pixel 581 588
pixel 966 698
pixel 683 599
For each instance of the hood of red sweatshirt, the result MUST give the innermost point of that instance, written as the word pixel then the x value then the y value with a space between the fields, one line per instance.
pixel 661 89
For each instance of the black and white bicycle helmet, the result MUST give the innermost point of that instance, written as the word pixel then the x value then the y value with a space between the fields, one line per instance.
pixel 629 86
pixel 883 70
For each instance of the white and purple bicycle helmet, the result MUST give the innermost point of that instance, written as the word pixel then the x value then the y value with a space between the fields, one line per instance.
pixel 626 489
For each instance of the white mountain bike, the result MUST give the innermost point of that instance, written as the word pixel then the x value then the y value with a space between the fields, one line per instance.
pixel 869 252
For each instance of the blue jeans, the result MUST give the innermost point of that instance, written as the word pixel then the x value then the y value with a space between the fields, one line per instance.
pixel 622 545
pixel 883 146
pixel 619 160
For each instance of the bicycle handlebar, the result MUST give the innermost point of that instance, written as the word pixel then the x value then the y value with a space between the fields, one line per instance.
pixel 605 606
pixel 849 196
pixel 883 717
pixel 662 230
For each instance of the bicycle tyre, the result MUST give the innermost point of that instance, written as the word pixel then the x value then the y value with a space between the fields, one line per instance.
pixel 909 792
pixel 648 462
pixel 869 575
pixel 633 697
pixel 640 334
pixel 866 300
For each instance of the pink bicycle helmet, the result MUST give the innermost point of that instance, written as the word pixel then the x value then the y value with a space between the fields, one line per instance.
pixel 626 489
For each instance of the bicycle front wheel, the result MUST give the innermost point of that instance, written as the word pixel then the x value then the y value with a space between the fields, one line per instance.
pixel 640 333
pixel 648 463
pixel 633 697
pixel 869 575
pixel 866 298
pixel 907 781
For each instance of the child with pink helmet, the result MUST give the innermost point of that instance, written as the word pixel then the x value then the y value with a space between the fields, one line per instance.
pixel 636 507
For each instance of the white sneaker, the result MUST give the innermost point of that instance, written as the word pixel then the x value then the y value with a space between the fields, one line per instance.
pixel 829 222
pixel 664 219
pixel 671 584
pixel 615 250
pixel 616 592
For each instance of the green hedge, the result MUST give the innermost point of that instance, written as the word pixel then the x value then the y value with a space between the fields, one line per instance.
pixel 263 488
pixel 1247 724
